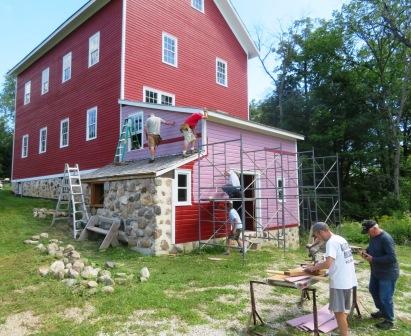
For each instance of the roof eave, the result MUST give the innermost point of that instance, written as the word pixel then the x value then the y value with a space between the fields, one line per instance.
pixel 65 29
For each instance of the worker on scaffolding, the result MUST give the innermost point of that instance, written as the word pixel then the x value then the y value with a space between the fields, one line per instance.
pixel 188 130
pixel 233 187
pixel 236 227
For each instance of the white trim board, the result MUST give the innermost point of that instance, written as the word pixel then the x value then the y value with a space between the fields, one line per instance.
pixel 45 177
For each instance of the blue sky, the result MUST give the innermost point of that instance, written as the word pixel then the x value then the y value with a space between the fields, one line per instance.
pixel 26 23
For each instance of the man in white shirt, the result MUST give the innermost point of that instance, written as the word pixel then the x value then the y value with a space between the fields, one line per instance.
pixel 153 125
pixel 233 187
pixel 340 262
pixel 236 227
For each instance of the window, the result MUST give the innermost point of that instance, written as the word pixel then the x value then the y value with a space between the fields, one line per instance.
pixel 25 146
pixel 94 49
pixel 66 67
pixel 27 92
pixel 91 123
pixel 154 96
pixel 43 140
pixel 198 4
pixel 280 189
pixel 45 81
pixel 183 187
pixel 64 133
pixel 221 72
pixel 136 129
pixel 169 49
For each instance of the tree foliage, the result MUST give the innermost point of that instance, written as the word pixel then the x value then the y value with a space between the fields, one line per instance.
pixel 345 85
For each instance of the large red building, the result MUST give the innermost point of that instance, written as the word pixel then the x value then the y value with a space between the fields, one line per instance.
pixel 183 53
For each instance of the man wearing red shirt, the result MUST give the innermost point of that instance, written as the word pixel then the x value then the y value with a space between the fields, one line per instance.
pixel 188 130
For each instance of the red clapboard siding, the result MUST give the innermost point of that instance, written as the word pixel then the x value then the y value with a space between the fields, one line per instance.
pixel 96 86
pixel 201 38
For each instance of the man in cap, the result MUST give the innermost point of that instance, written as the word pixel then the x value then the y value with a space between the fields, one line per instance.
pixel 340 262
pixel 381 256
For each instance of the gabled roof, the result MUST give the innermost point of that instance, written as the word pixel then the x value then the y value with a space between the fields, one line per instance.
pixel 222 118
pixel 93 6
pixel 138 168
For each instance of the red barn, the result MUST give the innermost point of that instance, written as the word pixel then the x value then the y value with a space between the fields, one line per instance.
pixel 74 89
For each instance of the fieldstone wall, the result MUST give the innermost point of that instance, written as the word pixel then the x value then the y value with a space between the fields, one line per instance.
pixel 44 188
pixel 145 207
pixel 292 238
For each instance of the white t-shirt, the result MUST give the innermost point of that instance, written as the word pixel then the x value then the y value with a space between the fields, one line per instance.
pixel 234 180
pixel 153 125
pixel 342 271
pixel 235 219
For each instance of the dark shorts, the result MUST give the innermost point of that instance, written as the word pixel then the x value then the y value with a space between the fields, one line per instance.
pixel 235 235
pixel 232 192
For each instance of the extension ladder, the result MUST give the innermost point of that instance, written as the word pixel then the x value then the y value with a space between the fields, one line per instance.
pixel 71 200
pixel 122 141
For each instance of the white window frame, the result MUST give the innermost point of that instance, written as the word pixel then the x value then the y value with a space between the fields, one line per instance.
pixel 41 149
pixel 186 172
pixel 62 145
pixel 95 39
pixel 67 59
pixel 27 92
pixel 140 115
pixel 280 189
pixel 89 112
pixel 25 146
pixel 45 81
pixel 160 94
pixel 171 37
pixel 194 5
pixel 217 72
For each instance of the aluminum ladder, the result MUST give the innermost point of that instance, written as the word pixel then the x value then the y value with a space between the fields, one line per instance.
pixel 123 141
pixel 71 200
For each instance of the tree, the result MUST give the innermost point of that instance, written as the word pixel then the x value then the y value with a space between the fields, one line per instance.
pixel 6 121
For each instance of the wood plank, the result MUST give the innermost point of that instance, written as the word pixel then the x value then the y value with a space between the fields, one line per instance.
pixel 98 230
pixel 112 233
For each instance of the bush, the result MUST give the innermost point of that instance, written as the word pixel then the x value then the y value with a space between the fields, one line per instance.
pixel 398 226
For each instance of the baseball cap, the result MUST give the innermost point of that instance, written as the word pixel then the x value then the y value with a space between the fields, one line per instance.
pixel 367 224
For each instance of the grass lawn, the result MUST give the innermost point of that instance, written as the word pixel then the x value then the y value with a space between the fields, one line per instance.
pixel 188 294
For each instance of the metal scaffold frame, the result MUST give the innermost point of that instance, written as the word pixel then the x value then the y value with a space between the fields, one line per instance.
pixel 271 181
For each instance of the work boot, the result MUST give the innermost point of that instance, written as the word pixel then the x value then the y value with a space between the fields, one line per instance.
pixel 377 315
pixel 385 325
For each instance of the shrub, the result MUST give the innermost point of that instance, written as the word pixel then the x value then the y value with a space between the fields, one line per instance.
pixel 398 226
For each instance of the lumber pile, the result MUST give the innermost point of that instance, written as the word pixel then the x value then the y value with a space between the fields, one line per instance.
pixel 326 321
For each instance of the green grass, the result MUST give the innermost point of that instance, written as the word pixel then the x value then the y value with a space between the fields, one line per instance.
pixel 189 287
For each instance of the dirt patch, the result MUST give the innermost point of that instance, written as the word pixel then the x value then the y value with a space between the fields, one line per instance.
pixel 28 289
pixel 77 314
pixel 21 324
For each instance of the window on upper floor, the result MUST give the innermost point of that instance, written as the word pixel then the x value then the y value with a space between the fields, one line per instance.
pixel 154 96
pixel 198 4
pixel 43 140
pixel 45 75
pixel 64 133
pixel 91 123
pixel 94 49
pixel 169 49
pixel 25 146
pixel 221 72
pixel 66 67
pixel 182 187
pixel 280 189
pixel 136 131
pixel 27 92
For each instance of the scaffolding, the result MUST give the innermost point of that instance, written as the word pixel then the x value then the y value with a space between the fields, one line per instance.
pixel 279 189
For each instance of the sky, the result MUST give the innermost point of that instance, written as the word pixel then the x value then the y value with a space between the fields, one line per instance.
pixel 26 23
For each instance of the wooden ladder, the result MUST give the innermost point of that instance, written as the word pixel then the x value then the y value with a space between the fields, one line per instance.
pixel 110 235
pixel 71 200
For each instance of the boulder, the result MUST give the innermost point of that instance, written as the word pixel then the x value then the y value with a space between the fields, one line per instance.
pixel 41 248
pixel 144 273
pixel 44 235
pixel 107 289
pixel 56 267
pixel 69 282
pixel 31 242
pixel 35 237
pixel 43 270
pixel 72 273
pixel 89 273
pixel 106 280
pixel 68 249
pixel 92 284
pixel 110 264
pixel 78 266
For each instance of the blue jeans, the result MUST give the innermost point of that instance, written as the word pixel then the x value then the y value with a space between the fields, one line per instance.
pixel 382 292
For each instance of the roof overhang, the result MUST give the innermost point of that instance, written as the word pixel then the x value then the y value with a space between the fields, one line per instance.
pixel 93 6
pixel 221 118
pixel 237 27
pixel 66 28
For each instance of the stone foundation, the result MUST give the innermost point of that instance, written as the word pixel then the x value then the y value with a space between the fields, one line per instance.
pixel 44 188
